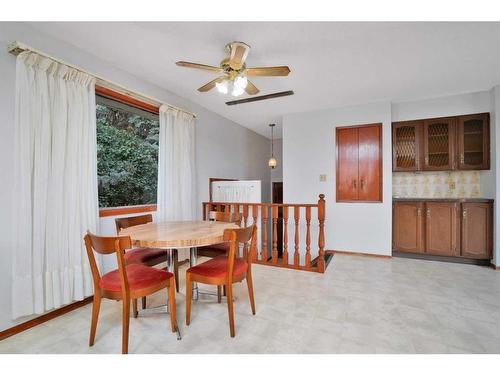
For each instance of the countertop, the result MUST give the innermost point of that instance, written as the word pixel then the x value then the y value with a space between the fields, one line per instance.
pixel 460 200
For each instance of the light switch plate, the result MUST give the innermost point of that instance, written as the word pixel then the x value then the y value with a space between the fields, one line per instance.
pixel 322 177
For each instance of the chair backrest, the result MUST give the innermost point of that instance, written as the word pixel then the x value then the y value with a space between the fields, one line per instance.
pixel 245 236
pixel 105 246
pixel 226 217
pixel 125 222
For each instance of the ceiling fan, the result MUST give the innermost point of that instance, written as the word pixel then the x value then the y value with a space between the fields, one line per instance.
pixel 234 72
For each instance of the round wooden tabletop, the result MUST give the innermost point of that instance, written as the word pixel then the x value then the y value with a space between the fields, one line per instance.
pixel 177 234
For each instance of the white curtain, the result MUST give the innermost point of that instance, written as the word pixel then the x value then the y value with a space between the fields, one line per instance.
pixel 56 184
pixel 176 166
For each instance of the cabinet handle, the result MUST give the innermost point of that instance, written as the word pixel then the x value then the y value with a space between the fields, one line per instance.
pixel 428 212
pixel 464 213
pixel 354 183
pixel 419 212
pixel 427 160
pixel 362 183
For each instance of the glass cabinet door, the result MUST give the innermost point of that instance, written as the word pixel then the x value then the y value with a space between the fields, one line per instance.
pixel 473 142
pixel 406 138
pixel 439 144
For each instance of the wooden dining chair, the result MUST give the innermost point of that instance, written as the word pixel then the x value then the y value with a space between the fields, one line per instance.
pixel 212 251
pixel 128 282
pixel 143 255
pixel 225 270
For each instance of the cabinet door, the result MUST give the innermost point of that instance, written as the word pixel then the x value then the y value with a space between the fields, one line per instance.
pixel 347 164
pixel 370 163
pixel 476 231
pixel 441 228
pixel 406 146
pixel 407 229
pixel 439 139
pixel 473 142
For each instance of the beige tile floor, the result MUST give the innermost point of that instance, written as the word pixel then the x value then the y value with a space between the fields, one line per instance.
pixel 360 305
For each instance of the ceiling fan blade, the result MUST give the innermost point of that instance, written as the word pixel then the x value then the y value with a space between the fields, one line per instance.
pixel 262 97
pixel 238 54
pixel 271 71
pixel 187 64
pixel 251 89
pixel 210 85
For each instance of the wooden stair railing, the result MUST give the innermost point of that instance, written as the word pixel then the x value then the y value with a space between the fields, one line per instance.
pixel 266 251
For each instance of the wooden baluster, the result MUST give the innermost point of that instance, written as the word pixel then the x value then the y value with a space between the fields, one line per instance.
pixel 204 211
pixel 263 213
pixel 285 235
pixel 321 237
pixel 236 211
pixel 219 208
pixel 308 236
pixel 275 234
pixel 245 215
pixel 255 214
pixel 296 257
pixel 227 208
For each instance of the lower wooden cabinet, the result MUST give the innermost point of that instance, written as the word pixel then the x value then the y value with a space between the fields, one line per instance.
pixel 476 230
pixel 408 227
pixel 450 228
pixel 441 228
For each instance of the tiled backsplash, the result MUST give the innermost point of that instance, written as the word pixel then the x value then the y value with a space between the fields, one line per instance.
pixel 458 184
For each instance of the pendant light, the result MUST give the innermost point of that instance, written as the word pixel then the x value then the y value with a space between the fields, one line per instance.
pixel 272 160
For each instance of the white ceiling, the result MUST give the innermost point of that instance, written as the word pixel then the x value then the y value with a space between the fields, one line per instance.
pixel 333 64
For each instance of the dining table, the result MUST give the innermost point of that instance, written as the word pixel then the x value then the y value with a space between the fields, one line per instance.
pixel 178 235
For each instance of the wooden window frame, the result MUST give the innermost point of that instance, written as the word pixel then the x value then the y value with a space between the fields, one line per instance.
pixel 133 102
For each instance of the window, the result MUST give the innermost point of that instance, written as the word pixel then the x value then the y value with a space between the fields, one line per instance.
pixel 127 151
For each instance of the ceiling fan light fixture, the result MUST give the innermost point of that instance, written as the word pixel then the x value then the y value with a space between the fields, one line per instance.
pixel 222 87
pixel 241 81
pixel 237 91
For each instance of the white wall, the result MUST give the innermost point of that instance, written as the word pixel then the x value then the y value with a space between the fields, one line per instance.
pixel 223 148
pixel 309 150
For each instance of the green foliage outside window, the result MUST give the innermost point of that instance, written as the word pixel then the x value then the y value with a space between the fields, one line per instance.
pixel 127 156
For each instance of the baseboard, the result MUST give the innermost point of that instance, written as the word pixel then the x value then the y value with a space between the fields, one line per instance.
pixel 359 254
pixel 492 265
pixel 440 258
pixel 44 318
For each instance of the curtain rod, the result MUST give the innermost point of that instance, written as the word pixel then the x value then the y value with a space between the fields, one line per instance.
pixel 15 48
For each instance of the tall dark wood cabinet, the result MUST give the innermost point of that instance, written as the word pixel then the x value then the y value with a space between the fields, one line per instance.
pixel 359 163
pixel 408 228
pixel 476 230
pixel 441 228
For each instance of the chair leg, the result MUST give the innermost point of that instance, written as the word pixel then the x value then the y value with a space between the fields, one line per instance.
pixel 171 304
pixel 134 307
pixel 96 305
pixel 250 291
pixel 189 292
pixel 125 324
pixel 143 303
pixel 219 293
pixel 230 308
pixel 176 269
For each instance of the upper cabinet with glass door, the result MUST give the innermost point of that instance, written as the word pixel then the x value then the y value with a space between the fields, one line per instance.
pixel 441 144
pixel 406 146
pixel 473 141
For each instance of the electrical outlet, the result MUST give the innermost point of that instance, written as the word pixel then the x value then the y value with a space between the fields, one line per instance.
pixel 322 177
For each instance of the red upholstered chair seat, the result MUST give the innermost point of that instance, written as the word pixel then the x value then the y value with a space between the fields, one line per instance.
pixel 143 255
pixel 217 267
pixel 138 275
